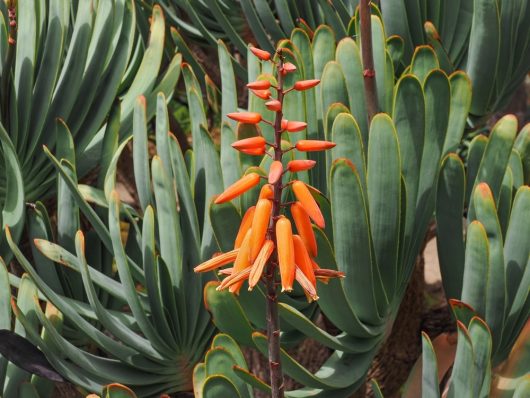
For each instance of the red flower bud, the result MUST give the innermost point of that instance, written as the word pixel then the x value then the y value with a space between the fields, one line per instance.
pixel 263 94
pixel 249 143
pixel 274 105
pixel 288 67
pixel 245 117
pixel 259 85
pixel 314 145
pixel 294 127
pixel 300 165
pixel 305 84
pixel 261 54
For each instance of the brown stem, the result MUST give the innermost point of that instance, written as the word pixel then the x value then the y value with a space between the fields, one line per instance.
pixel 370 92
pixel 273 321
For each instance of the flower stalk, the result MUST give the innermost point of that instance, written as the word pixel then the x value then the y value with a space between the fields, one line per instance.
pixel 266 247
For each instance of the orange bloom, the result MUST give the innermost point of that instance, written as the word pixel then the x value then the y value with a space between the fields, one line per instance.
pixel 314 145
pixel 263 94
pixel 261 54
pixel 245 225
pixel 217 261
pixel 267 192
pixel 275 172
pixel 309 289
pixel 259 265
pixel 284 240
pixel 253 151
pixel 242 261
pixel 249 143
pixel 304 228
pixel 260 224
pixel 308 203
pixel 305 84
pixel 284 124
pixel 300 165
pixel 259 85
pixel 235 277
pixel 274 105
pixel 302 260
pixel 245 117
pixel 240 186
pixel 294 127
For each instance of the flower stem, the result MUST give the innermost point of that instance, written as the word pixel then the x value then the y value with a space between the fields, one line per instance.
pixel 273 321
pixel 368 58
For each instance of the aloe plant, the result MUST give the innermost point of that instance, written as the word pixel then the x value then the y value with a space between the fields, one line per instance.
pixel 489 39
pixel 68 61
pixel 469 375
pixel 152 305
pixel 381 179
pixel 14 380
pixel 493 191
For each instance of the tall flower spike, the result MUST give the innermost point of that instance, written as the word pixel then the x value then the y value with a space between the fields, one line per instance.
pixel 308 203
pixel 284 241
pixel 245 117
pixel 260 224
pixel 239 187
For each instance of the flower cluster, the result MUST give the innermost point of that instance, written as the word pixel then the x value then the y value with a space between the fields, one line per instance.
pixel 265 240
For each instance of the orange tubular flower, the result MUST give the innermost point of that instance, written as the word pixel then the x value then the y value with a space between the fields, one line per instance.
pixel 304 228
pixel 273 105
pixel 249 143
pixel 309 288
pixel 242 261
pixel 305 84
pixel 284 240
pixel 240 186
pixel 234 278
pixel 294 127
pixel 308 203
pixel 275 172
pixel 302 260
pixel 300 165
pixel 259 85
pixel 313 145
pixel 261 54
pixel 284 124
pixel 245 117
pixel 267 192
pixel 263 94
pixel 259 265
pixel 260 223
pixel 253 151
pixel 217 261
pixel 245 225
